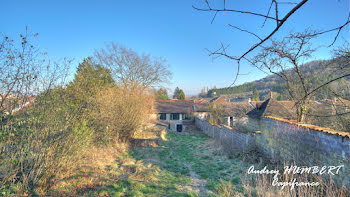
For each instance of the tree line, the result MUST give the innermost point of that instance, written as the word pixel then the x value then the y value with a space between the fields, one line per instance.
pixel 162 94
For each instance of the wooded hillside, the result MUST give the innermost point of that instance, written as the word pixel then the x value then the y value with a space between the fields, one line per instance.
pixel 316 73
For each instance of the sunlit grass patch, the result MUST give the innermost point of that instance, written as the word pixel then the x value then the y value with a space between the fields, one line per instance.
pixel 197 153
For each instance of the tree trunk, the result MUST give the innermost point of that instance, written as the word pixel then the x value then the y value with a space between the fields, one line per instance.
pixel 301 110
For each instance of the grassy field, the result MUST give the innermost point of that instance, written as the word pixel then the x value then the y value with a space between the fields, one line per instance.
pixel 195 156
pixel 182 164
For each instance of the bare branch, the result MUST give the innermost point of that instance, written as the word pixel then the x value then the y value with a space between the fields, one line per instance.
pixel 231 10
pixel 268 13
pixel 285 18
pixel 280 23
pixel 249 32
pixel 212 21
pixel 276 11
pixel 291 3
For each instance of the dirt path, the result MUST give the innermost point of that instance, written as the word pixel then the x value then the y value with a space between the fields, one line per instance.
pixel 197 183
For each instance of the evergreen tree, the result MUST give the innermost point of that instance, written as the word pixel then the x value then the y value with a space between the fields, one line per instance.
pixel 90 78
pixel 161 94
pixel 256 96
pixel 179 94
pixel 182 95
pixel 176 93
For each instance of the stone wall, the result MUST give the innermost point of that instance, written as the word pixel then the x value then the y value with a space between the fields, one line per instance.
pixel 233 141
pixel 291 143
pixel 286 142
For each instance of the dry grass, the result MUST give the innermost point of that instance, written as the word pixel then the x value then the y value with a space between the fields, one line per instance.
pixel 227 189
pixel 261 185
pixel 102 167
pixel 112 171
pixel 92 171
pixel 120 112
pixel 149 132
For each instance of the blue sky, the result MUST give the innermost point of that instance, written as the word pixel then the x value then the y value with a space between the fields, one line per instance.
pixel 168 28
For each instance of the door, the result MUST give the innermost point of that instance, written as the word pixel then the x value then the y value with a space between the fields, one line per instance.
pixel 179 127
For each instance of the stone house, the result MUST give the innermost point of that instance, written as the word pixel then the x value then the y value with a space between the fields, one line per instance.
pixel 176 113
pixel 179 113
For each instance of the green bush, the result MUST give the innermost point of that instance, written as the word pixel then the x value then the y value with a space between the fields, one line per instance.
pixel 83 134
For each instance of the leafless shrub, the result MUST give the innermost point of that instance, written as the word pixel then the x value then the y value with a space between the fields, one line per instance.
pixel 43 137
pixel 121 112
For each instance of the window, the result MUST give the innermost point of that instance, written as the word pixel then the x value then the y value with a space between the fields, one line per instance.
pixel 162 116
pixel 186 117
pixel 175 116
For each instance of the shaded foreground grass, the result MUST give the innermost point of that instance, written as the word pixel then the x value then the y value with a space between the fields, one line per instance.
pixel 184 164
pixel 195 155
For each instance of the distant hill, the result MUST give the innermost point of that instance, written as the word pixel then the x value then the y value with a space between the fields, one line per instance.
pixel 315 73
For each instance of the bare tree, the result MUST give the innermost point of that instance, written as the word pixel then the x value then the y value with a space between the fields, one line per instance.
pixel 284 59
pixel 25 72
pixel 131 69
pixel 20 62
pixel 280 56
pixel 273 14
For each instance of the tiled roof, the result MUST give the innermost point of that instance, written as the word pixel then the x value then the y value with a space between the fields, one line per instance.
pixel 201 101
pixel 16 104
pixel 174 106
pixel 271 107
pixel 218 100
pixel 201 107
pixel 236 109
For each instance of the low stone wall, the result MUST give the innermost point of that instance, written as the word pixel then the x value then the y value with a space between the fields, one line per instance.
pixel 233 141
pixel 287 142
